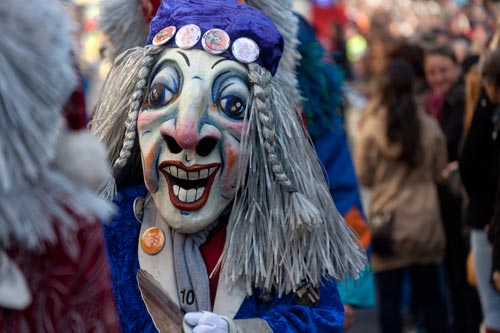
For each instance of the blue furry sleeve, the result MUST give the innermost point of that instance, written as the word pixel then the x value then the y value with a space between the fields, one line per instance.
pixel 121 241
pixel 284 316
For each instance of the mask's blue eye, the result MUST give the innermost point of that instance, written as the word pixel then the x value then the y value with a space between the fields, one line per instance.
pixel 159 95
pixel 233 107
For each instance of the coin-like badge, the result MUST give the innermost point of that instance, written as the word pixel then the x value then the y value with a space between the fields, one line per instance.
pixel 188 36
pixel 245 50
pixel 152 240
pixel 215 41
pixel 164 35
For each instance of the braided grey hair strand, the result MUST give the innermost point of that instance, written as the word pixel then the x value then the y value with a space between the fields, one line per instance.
pixel 135 103
pixel 259 77
pixel 109 119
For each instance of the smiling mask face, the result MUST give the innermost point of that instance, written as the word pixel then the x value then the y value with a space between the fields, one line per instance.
pixel 189 133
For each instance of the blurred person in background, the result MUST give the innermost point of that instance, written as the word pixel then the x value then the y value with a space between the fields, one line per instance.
pixel 413 53
pixel 338 51
pixel 461 47
pixel 356 48
pixel 370 65
pixel 479 36
pixel 494 229
pixel 400 154
pixel 473 91
pixel 479 168
pixel 446 102
pixel 494 236
pixel 442 36
pixel 54 276
pixel 473 84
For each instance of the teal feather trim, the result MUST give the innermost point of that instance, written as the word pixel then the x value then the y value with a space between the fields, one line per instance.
pixel 320 84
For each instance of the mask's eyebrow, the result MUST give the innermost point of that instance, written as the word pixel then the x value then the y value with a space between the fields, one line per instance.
pixel 185 57
pixel 160 65
pixel 218 62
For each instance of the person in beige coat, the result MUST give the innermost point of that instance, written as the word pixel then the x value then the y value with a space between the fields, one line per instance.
pixel 399 155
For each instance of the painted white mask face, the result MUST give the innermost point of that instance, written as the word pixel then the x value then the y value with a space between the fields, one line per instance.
pixel 189 133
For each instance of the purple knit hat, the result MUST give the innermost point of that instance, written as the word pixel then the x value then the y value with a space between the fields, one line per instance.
pixel 225 27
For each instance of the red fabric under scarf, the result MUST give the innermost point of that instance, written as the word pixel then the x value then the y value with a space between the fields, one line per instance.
pixel 211 252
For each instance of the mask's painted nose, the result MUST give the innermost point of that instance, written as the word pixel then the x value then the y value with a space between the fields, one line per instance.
pixel 189 133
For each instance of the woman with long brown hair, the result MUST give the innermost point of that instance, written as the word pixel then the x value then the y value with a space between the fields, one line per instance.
pixel 399 155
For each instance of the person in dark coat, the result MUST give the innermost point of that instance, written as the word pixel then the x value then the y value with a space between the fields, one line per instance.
pixel 446 102
pixel 479 167
pixel 494 231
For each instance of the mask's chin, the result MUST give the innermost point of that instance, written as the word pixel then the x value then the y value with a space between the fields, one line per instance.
pixel 194 200
pixel 189 222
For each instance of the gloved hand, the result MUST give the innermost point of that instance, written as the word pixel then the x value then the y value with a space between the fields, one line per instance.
pixel 204 322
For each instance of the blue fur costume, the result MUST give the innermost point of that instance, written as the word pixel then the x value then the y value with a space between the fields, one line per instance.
pixel 281 314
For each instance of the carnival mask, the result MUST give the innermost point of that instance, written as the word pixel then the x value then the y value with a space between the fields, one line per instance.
pixel 189 132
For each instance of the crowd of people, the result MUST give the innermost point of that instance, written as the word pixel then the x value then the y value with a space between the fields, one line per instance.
pixel 426 147
pixel 233 197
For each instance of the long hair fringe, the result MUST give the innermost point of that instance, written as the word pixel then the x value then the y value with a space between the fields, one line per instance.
pixel 114 122
pixel 264 247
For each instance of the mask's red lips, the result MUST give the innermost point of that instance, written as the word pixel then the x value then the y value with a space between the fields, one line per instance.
pixel 189 187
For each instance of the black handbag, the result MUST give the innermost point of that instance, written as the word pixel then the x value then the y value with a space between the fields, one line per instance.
pixel 382 227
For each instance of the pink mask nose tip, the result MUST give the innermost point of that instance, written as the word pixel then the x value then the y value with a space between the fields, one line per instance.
pixel 187 137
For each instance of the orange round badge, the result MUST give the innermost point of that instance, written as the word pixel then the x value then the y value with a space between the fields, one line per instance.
pixel 215 41
pixel 164 35
pixel 152 240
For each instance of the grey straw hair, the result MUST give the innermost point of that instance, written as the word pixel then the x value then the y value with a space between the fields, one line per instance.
pixel 284 227
pixel 126 85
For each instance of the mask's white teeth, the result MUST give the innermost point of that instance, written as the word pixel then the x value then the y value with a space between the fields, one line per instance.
pixel 181 174
pixel 191 195
pixel 173 171
pixel 182 194
pixel 193 175
pixel 199 192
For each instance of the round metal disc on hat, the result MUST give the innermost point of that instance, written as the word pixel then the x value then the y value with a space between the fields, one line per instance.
pixel 188 36
pixel 164 35
pixel 215 41
pixel 245 50
pixel 152 240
